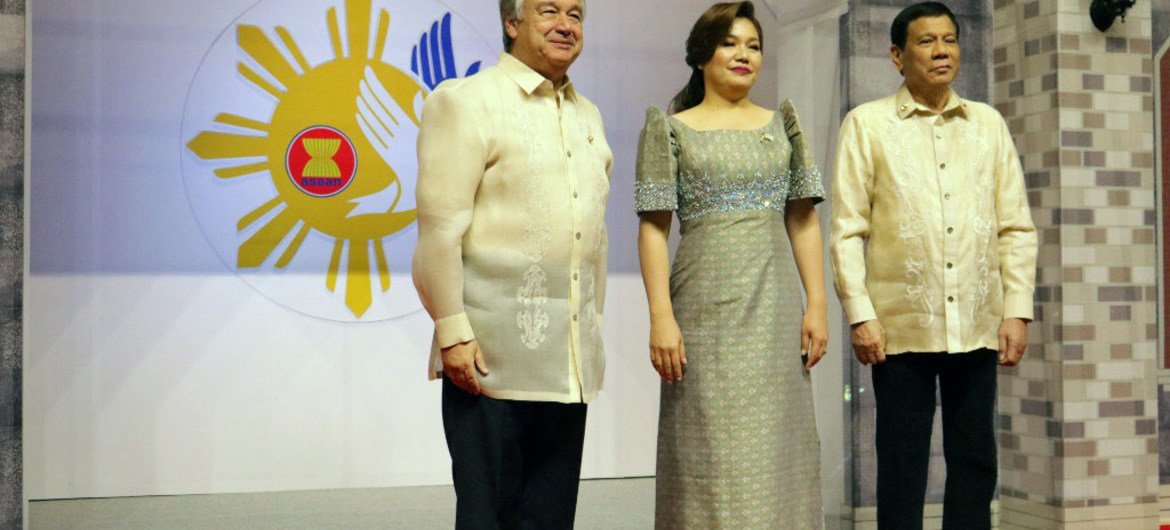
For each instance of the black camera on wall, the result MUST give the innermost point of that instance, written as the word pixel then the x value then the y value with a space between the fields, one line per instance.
pixel 1104 11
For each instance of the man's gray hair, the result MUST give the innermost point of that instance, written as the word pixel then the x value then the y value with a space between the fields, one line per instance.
pixel 514 10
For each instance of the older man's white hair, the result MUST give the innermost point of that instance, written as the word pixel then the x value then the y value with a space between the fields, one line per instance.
pixel 514 10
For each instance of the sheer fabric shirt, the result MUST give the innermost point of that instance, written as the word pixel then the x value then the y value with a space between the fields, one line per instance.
pixel 513 183
pixel 931 230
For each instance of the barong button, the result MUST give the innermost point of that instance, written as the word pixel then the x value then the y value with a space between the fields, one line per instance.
pixel 950 230
pixel 578 235
pixel 949 299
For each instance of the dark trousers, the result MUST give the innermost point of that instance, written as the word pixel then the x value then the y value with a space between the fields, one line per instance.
pixel 904 388
pixel 516 464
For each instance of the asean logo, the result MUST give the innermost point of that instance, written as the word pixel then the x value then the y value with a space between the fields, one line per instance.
pixel 299 146
pixel 321 161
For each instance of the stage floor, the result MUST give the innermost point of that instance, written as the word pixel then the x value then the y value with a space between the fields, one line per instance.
pixel 603 504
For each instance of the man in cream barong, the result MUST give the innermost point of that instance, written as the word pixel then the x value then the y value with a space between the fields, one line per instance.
pixel 934 253
pixel 513 182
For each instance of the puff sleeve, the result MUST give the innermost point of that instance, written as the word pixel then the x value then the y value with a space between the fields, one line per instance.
pixel 804 178
pixel 656 172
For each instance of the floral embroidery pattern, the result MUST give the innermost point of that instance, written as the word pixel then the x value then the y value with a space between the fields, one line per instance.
pixel 904 140
pixel 532 317
pixel 982 287
pixel 981 216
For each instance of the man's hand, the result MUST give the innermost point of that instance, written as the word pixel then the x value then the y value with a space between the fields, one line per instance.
pixel 1013 340
pixel 460 363
pixel 869 341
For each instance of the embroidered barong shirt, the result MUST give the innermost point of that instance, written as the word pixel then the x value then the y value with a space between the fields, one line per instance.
pixel 513 183
pixel 931 231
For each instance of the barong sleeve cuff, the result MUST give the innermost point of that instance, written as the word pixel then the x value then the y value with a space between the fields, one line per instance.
pixel 1017 305
pixel 859 309
pixel 452 330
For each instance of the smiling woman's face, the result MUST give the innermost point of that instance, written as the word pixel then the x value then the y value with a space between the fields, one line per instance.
pixel 736 61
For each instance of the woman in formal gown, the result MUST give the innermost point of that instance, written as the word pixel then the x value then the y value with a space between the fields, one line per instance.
pixel 729 336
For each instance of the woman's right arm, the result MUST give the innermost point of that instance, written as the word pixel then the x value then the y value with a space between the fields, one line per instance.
pixel 667 353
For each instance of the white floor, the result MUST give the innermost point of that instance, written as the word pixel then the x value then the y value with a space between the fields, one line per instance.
pixel 603 504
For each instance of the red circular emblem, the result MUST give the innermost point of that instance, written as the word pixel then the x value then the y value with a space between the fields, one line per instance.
pixel 321 161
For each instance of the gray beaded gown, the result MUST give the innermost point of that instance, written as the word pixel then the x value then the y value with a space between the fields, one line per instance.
pixel 737 438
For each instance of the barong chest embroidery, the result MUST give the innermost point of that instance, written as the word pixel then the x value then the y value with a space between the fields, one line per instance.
pixel 981 216
pixel 904 138
pixel 532 318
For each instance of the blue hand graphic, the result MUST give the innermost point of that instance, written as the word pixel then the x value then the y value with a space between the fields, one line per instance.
pixel 433 59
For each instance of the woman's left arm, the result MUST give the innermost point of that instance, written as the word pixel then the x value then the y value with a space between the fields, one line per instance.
pixel 804 231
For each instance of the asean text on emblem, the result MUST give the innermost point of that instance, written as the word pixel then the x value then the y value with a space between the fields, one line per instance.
pixel 337 149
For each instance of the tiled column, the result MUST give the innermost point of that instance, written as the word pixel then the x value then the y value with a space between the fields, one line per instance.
pixel 1161 22
pixel 1161 39
pixel 868 74
pixel 1078 418
pixel 11 255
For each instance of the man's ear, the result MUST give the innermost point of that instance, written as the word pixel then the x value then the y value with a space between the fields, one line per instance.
pixel 512 29
pixel 896 57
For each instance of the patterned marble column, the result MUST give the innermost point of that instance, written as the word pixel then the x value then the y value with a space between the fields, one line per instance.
pixel 1078 419
pixel 11 255
pixel 868 74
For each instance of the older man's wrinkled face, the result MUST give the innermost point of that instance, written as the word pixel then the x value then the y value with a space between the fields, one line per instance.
pixel 549 37
pixel 930 57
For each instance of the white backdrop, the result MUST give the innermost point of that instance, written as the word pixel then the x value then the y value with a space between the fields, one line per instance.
pixel 152 367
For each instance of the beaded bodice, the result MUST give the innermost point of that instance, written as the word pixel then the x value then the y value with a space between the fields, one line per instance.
pixel 726 170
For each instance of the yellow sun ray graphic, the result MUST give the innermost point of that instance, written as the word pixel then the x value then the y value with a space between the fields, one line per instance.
pixel 325 148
